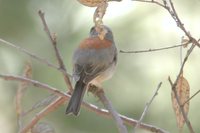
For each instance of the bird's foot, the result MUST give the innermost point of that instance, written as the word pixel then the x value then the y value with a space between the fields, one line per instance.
pixel 95 89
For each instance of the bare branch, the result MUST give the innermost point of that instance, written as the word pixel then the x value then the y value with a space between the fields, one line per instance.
pixel 22 87
pixel 147 107
pixel 52 37
pixel 152 50
pixel 183 64
pixel 41 103
pixel 53 40
pixel 174 15
pixel 190 98
pixel 127 120
pixel 33 56
pixel 151 1
pixel 51 107
pixel 90 107
pixel 33 82
pixel 112 111
pixel 171 9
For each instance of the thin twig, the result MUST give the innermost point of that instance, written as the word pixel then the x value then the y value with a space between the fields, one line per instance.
pixel 174 15
pixel 129 121
pixel 41 14
pixel 32 82
pixel 33 56
pixel 20 93
pixel 190 98
pixel 152 50
pixel 147 107
pixel 183 64
pixel 41 103
pixel 90 107
pixel 51 107
pixel 52 37
pixel 177 19
pixel 151 1
pixel 121 127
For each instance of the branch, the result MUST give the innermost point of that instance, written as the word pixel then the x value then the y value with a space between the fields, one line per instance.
pixel 41 103
pixel 121 128
pixel 151 1
pixel 152 50
pixel 171 9
pixel 190 98
pixel 51 107
pixel 115 115
pixel 52 37
pixel 147 107
pixel 90 107
pixel 33 56
pixel 174 15
pixel 22 87
pixel 183 64
pixel 34 83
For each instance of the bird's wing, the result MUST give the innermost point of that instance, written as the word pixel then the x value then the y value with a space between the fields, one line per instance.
pixel 90 71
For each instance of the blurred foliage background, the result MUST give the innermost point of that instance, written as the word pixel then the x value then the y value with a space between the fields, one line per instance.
pixel 136 26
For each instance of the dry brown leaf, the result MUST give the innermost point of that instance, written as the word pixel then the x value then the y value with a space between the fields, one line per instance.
pixel 94 3
pixel 91 3
pixel 183 92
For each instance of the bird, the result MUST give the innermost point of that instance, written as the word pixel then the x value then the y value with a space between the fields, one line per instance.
pixel 94 61
pixel 94 3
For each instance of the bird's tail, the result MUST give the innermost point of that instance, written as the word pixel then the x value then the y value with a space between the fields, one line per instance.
pixel 76 98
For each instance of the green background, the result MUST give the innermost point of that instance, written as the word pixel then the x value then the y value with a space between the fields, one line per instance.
pixel 136 26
